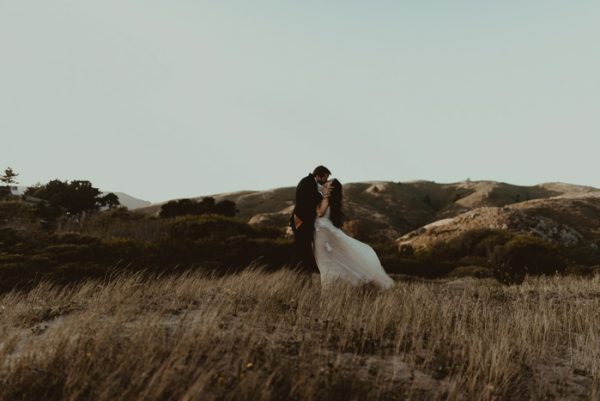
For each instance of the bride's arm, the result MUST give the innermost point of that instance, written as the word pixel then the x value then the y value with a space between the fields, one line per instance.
pixel 322 207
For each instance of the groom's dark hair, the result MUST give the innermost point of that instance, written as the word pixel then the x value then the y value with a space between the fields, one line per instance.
pixel 320 171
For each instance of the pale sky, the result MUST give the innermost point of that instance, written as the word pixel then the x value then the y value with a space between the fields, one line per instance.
pixel 166 99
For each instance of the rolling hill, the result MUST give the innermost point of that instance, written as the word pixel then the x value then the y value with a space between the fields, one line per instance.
pixel 383 210
pixel 564 220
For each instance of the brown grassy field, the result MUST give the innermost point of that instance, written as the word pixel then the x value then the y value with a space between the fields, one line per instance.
pixel 276 336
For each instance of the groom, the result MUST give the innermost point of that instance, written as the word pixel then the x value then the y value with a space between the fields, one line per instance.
pixel 303 218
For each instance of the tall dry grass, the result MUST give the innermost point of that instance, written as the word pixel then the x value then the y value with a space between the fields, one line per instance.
pixel 276 336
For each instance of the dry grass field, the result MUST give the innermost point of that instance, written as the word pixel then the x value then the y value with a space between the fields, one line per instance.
pixel 276 336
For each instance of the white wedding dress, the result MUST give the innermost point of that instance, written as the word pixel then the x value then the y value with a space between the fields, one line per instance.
pixel 341 257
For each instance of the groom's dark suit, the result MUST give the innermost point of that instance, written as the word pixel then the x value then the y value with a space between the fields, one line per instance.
pixel 303 223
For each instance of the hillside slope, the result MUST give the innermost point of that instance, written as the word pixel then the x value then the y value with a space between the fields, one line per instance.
pixel 381 210
pixel 565 220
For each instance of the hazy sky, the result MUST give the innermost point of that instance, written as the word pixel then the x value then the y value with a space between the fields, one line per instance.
pixel 165 99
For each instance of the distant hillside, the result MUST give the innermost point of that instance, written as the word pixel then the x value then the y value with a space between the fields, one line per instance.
pixel 565 220
pixel 126 200
pixel 388 210
pixel 129 201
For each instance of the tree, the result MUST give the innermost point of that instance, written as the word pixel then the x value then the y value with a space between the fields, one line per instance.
pixel 82 196
pixel 226 208
pixel 74 197
pixel 9 178
pixel 181 207
pixel 206 205
pixel 110 200
pixel 186 207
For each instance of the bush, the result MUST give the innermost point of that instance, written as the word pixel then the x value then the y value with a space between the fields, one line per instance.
pixel 207 241
pixel 20 241
pixel 471 244
pixel 9 237
pixel 73 238
pixel 119 250
pixel 582 270
pixel 584 254
pixel 118 214
pixel 471 271
pixel 63 253
pixel 187 207
pixel 73 197
pixel 269 252
pixel 217 227
pixel 509 256
pixel 15 210
pixel 123 223
pixel 525 255
pixel 422 264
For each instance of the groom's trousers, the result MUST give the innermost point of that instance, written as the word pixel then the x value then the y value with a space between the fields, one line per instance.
pixel 304 257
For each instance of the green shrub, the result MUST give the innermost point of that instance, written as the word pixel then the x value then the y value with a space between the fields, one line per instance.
pixel 15 210
pixel 525 255
pixel 20 241
pixel 233 252
pixel 534 255
pixel 73 238
pixel 119 249
pixel 187 207
pixel 421 263
pixel 509 256
pixel 471 271
pixel 9 237
pixel 418 265
pixel 479 243
pixel 584 254
pixel 118 239
pixel 117 214
pixel 582 270
pixel 63 253
pixel 217 227
pixel 270 252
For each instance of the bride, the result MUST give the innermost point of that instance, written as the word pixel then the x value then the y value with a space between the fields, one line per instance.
pixel 339 256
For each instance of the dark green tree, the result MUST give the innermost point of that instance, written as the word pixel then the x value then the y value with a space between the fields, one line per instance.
pixel 8 179
pixel 226 208
pixel 180 207
pixel 110 200
pixel 74 197
pixel 187 207
pixel 206 205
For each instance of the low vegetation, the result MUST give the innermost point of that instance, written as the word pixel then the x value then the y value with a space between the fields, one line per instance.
pixel 94 244
pixel 256 335
pixel 66 232
pixel 101 303
pixel 122 241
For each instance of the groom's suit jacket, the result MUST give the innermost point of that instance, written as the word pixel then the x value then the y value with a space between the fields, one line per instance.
pixel 307 199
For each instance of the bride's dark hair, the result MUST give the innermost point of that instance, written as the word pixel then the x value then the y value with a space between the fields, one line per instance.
pixel 335 203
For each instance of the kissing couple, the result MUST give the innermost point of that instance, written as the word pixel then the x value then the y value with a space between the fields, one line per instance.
pixel 319 242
